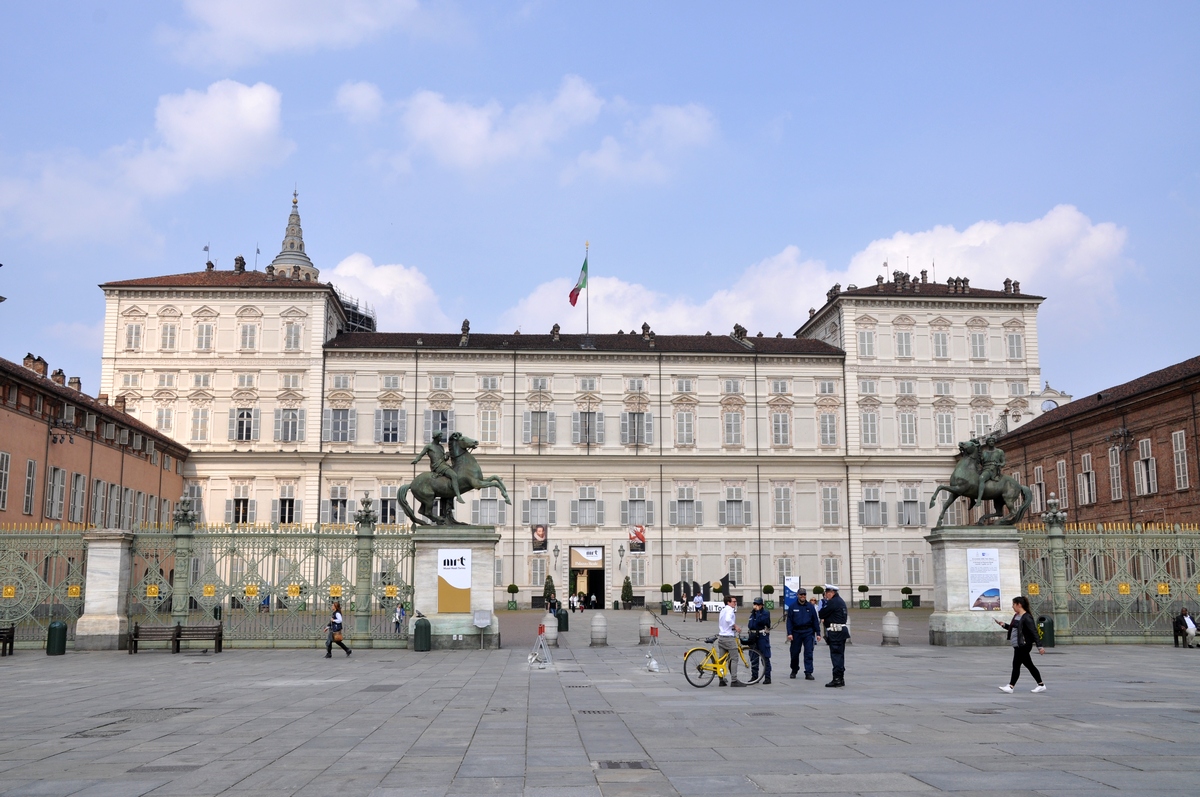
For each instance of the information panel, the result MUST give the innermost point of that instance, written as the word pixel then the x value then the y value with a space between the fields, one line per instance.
pixel 454 580
pixel 983 579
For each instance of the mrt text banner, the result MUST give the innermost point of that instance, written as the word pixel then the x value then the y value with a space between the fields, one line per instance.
pixel 454 580
pixel 983 579
pixel 587 558
pixel 791 588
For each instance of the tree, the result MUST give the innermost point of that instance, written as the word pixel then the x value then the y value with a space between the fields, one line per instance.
pixel 627 591
pixel 548 590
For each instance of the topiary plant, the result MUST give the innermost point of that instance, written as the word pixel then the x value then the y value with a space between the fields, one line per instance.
pixel 627 591
pixel 548 590
pixel 906 590
pixel 665 588
pixel 513 589
pixel 863 588
pixel 768 589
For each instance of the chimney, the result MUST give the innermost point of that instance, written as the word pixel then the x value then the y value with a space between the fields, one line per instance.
pixel 58 377
pixel 645 331
pixel 119 403
pixel 1016 286
pixel 102 399
pixel 924 275
pixel 36 364
pixel 271 273
pixel 966 284
pixel 209 266
pixel 1007 285
pixel 554 332
pixel 812 311
pixel 295 272
pixel 879 283
pixel 28 361
pixel 75 384
pixel 239 265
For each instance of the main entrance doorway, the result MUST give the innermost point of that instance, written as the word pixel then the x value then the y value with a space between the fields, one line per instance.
pixel 587 573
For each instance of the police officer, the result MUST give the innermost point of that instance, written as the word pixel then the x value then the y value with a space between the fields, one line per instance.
pixel 833 616
pixel 803 628
pixel 759 627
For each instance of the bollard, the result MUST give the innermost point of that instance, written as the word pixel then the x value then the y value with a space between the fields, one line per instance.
pixel 644 625
pixel 550 623
pixel 599 630
pixel 891 630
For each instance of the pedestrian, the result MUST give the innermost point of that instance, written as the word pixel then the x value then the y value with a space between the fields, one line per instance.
pixel 1185 628
pixel 727 632
pixel 803 628
pixel 698 602
pixel 685 606
pixel 333 631
pixel 759 626
pixel 571 603
pixel 552 605
pixel 582 603
pixel 593 601
pixel 1023 635
pixel 398 617
pixel 833 617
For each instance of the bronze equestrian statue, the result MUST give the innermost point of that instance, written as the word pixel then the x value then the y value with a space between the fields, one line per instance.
pixel 1004 492
pixel 436 483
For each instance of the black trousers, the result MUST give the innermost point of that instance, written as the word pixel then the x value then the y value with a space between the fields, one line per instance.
pixel 802 642
pixel 1021 656
pixel 764 650
pixel 837 652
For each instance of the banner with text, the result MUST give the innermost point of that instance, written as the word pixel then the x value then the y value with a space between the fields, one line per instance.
pixel 983 579
pixel 454 580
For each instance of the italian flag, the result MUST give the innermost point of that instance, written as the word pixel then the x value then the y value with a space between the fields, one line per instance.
pixel 581 284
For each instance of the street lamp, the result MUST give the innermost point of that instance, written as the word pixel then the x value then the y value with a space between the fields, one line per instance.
pixel 621 555
pixel 555 557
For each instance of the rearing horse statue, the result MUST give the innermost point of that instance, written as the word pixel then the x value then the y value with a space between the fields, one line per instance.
pixel 1003 492
pixel 427 487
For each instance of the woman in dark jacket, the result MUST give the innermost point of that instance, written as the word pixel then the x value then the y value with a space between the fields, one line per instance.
pixel 1023 635
pixel 335 628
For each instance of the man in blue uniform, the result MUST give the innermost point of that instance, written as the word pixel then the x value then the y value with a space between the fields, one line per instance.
pixel 833 616
pixel 759 627
pixel 803 629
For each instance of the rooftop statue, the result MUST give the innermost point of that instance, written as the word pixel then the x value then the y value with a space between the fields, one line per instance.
pixel 451 473
pixel 977 478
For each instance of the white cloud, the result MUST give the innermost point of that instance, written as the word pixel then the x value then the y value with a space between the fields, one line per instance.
pixel 465 136
pixel 361 102
pixel 1062 254
pixel 401 295
pixel 233 32
pixel 228 130
pixel 648 145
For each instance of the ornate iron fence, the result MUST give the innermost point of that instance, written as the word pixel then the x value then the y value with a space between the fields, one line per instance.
pixel 42 571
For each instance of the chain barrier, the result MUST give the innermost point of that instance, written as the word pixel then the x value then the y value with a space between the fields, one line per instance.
pixel 660 623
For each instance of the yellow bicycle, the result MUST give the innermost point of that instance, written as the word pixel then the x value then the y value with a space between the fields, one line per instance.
pixel 701 665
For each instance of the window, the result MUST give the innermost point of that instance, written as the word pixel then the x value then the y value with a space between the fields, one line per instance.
pixel 439 382
pixel 587 384
pixel 342 381
pixel 139 509
pixel 539 428
pixel 131 380
pixel 911 508
pixel 826 387
pixel 249 337
pixel 201 381
pixel 537 571
pixel 637 386
pixel 866 343
pixel 1016 346
pixel 734 511
pixel 587 511
pixel 336 509
pixel 151 510
pixel 1114 473
pixel 133 337
pixel 194 493
pixel 783 505
pixel 943 388
pixel 489 426
pixel 162 419
pixel 906 424
pixel 981 389
pixel 945 428
pixel 1039 489
pixel 438 421
pixel 289 381
pixel 390 426
pixel 983 422
pixel 684 386
pixel 1181 469
pixel 874 570
pixel 868 386
pixel 783 569
pixel 30 486
pixel 243 424
pixel 732 386
pixel 978 345
pixel 637 511
pixel 241 508
pixel 912 570
pixel 733 427
pixel 1017 389
pixel 870 428
pixel 685 510
pixel 341 426
pixel 98 490
pixel 165 510
pixel 828 421
pixel 637 428
pixel 289 506
pixel 291 336
pixel 781 431
pixel 492 510
pixel 1060 471
pixel 872 511
pixel 166 380
pixel 1085 481
pixel 56 487
pixel 5 463
pixel 685 428
pixel 498 573
pixel 113 520
pixel 539 509
pixel 167 337
pixel 830 504
pixel 906 387
pixel 539 383
pixel 587 428
pixel 735 567
pixel 831 570
pixel 127 510
pixel 904 344
pixel 687 570
pixel 289 425
pixel 199 425
pixel 637 571
pixel 941 344
pixel 779 386
pixel 1145 470
pixel 204 337
pixel 245 380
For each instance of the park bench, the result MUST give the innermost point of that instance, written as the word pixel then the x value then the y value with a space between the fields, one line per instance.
pixel 206 632
pixel 8 637
pixel 175 634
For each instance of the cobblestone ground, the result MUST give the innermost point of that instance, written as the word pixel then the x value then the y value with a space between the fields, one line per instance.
pixel 913 719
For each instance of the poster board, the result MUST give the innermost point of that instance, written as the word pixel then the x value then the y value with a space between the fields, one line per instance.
pixel 791 586
pixel 454 580
pixel 983 579
pixel 587 558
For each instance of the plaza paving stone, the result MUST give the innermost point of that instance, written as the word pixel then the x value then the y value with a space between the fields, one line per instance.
pixel 393 723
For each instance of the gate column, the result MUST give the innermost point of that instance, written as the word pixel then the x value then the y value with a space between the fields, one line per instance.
pixel 1054 519
pixel 104 624
pixel 362 583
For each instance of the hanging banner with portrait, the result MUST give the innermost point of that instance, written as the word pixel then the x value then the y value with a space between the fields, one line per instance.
pixel 637 539
pixel 541 536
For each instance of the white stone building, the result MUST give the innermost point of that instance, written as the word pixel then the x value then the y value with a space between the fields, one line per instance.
pixel 748 456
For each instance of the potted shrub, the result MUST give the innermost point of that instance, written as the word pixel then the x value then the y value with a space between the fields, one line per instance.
pixel 666 589
pixel 627 594
pixel 906 603
pixel 548 590
pixel 513 589
pixel 863 603
pixel 768 591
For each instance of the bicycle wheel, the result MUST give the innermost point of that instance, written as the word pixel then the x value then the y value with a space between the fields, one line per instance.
pixel 754 663
pixel 696 676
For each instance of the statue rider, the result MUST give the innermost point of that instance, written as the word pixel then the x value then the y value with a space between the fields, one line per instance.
pixel 439 463
pixel 992 460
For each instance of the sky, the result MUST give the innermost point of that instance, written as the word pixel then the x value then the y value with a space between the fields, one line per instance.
pixel 727 163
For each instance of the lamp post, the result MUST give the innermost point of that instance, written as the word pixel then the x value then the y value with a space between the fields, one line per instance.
pixel 621 557
pixel 556 557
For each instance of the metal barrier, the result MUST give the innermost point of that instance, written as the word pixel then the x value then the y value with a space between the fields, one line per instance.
pixel 41 579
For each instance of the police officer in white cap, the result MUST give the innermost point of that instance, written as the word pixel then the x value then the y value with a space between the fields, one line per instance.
pixel 833 617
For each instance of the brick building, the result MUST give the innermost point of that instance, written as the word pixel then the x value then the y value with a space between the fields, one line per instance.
pixel 68 458
pixel 1127 454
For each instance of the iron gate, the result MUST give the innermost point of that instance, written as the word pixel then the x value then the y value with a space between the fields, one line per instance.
pixel 41 579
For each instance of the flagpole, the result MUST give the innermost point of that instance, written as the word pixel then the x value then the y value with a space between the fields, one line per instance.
pixel 587 299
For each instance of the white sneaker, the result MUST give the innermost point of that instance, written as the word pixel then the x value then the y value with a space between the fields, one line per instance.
pixel 1038 688
pixel 1006 689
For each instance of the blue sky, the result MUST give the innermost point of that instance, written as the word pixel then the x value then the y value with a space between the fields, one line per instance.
pixel 727 166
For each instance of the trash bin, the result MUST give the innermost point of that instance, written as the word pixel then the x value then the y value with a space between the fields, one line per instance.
pixel 217 613
pixel 56 639
pixel 423 636
pixel 666 608
pixel 564 621
pixel 1046 631
pixel 704 611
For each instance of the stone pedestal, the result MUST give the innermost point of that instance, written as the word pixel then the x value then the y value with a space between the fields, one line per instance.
pixel 104 624
pixel 450 612
pixel 953 622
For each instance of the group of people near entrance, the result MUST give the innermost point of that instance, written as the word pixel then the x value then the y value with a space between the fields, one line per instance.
pixel 580 602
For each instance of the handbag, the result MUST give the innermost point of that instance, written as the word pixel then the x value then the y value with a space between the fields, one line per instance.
pixel 337 636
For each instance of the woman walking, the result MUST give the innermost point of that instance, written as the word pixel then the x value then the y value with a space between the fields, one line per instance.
pixel 1023 635
pixel 333 631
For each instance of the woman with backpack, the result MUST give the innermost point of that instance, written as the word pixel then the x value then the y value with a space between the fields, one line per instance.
pixel 1023 636
pixel 333 632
